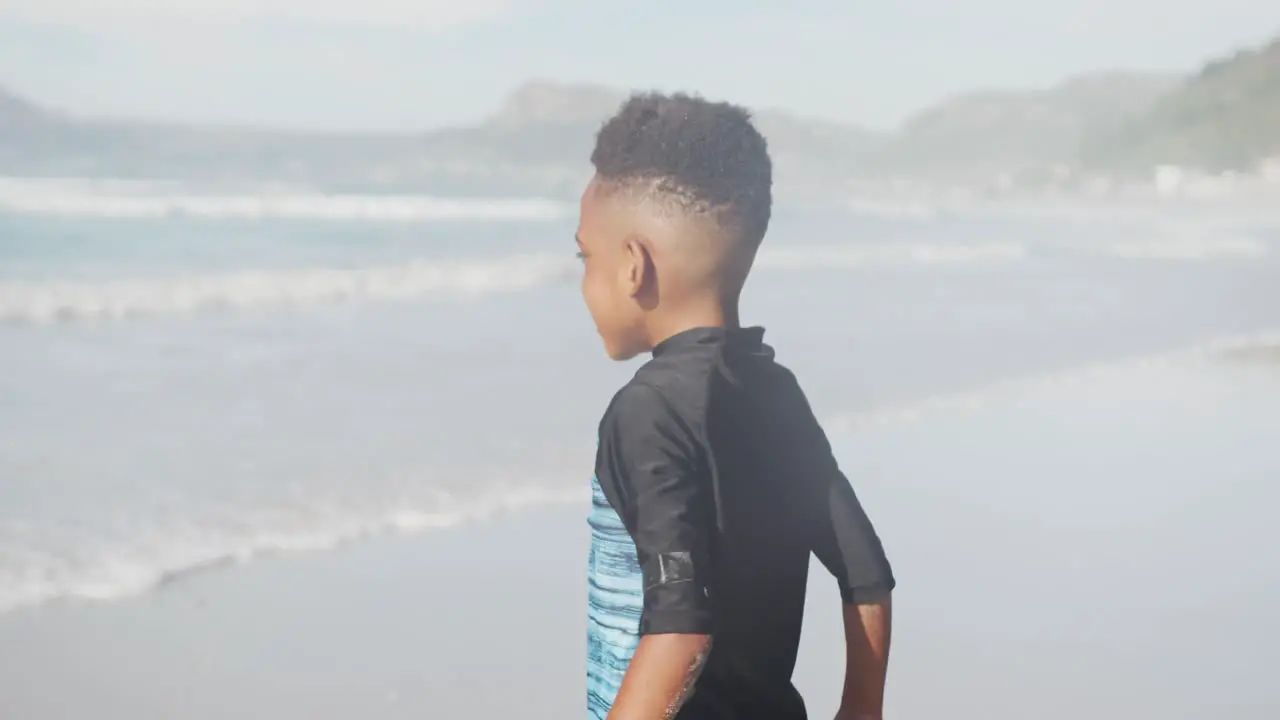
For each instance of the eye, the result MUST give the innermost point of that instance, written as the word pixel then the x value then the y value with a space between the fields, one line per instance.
pixel 580 255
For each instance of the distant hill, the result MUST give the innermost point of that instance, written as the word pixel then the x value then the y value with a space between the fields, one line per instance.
pixel 17 115
pixel 539 139
pixel 25 130
pixel 1226 117
pixel 34 141
pixel 553 126
pixel 983 133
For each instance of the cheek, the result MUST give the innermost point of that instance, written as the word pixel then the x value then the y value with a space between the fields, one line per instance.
pixel 595 292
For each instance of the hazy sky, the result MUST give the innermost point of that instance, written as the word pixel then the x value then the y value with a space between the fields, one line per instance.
pixel 411 64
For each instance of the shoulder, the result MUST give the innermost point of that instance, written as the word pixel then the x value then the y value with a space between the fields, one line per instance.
pixel 640 408
pixel 645 431
pixel 673 387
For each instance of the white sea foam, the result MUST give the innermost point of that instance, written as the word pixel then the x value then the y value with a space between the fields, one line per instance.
pixel 896 210
pixel 1183 247
pixel 49 302
pixel 52 302
pixel 1002 390
pixel 55 301
pixel 121 199
pixel 112 568
pixel 857 255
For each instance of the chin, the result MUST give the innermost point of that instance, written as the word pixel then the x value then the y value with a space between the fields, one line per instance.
pixel 621 353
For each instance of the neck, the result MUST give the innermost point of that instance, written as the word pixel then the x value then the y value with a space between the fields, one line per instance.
pixel 695 315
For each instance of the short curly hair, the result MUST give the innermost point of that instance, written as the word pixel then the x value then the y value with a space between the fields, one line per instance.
pixel 705 156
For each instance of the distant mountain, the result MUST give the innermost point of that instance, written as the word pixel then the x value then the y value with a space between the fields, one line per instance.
pixel 25 130
pixel 552 127
pixel 984 133
pixel 1226 117
pixel 17 115
pixel 539 139
pixel 34 141
pixel 542 102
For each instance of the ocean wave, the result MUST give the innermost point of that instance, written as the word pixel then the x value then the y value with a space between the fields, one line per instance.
pixel 119 569
pixel 121 199
pixel 53 301
pixel 857 255
pixel 973 399
pixel 1183 248
pixel 894 210
pixel 29 302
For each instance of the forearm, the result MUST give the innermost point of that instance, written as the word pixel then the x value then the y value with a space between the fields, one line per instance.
pixel 867 629
pixel 660 677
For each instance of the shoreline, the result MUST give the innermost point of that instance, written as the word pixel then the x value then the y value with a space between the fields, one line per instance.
pixel 499 504
pixel 401 525
pixel 268 637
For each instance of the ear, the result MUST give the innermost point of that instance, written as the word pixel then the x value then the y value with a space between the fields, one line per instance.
pixel 637 266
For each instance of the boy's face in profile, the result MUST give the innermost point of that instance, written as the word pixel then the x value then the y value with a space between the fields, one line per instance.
pixel 611 278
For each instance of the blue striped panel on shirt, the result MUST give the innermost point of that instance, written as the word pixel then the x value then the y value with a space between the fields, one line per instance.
pixel 615 599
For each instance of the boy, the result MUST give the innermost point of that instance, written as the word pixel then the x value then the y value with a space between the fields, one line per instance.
pixel 713 480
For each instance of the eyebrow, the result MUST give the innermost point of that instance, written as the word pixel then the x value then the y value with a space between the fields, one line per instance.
pixel 577 239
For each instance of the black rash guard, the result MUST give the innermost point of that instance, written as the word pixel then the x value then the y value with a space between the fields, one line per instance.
pixel 714 483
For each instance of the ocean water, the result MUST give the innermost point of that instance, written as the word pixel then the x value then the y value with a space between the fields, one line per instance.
pixel 193 380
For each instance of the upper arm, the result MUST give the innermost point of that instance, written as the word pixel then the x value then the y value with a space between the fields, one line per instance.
pixel 843 536
pixel 846 542
pixel 651 462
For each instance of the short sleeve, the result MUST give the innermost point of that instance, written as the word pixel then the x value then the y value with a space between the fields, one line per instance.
pixel 840 532
pixel 846 542
pixel 650 467
pixel 844 539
